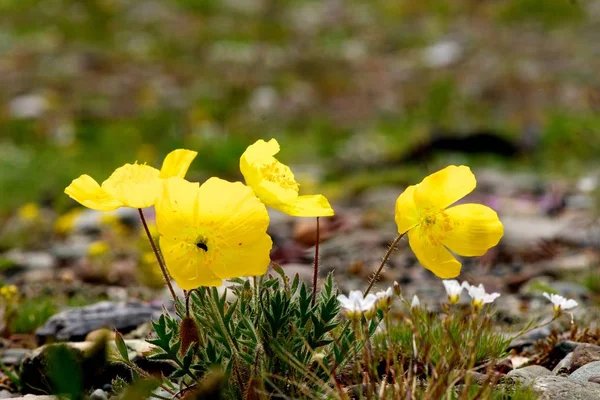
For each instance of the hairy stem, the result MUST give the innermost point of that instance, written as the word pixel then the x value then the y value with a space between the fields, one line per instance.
pixel 158 256
pixel 316 268
pixel 385 258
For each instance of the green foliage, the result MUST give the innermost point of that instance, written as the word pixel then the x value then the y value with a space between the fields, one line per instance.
pixel 32 313
pixel 439 100
pixel 499 392
pixel 270 340
pixel 440 349
pixel 267 338
pixel 580 134
pixel 141 389
pixel 548 13
pixel 64 371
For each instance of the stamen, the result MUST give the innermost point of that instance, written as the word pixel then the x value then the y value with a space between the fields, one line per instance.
pixel 280 174
pixel 436 225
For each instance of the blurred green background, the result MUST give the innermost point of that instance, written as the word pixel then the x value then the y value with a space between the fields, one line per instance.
pixel 89 85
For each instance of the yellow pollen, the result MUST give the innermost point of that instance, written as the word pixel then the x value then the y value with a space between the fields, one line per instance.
pixel 435 226
pixel 278 173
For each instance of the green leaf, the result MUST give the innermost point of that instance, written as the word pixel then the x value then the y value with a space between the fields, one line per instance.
pixel 175 348
pixel 141 389
pixel 121 347
pixel 277 268
pixel 229 313
pixel 160 356
pixel 295 283
pixel 64 366
pixel 189 356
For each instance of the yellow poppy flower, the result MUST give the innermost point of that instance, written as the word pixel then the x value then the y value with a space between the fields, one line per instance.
pixel 29 212
pixel 274 183
pixel 132 185
pixel 434 228
pixel 212 232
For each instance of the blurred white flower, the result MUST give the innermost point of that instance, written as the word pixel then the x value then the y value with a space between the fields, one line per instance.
pixel 560 303
pixel 384 298
pixel 478 295
pixel 415 303
pixel 355 304
pixel 453 289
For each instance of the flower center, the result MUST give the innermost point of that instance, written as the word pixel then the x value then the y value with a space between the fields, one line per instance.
pixel 435 225
pixel 201 244
pixel 280 174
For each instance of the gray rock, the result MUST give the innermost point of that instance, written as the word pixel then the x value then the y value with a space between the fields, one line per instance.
pixel 442 54
pixel 520 232
pixel 74 324
pixel 342 251
pixel 75 247
pixel 90 221
pixel 594 379
pixel 585 372
pixel 477 377
pixel 98 394
pixel 571 289
pixel 31 260
pixel 304 271
pixel 32 105
pixel 564 366
pixel 530 337
pixel 560 388
pixel 95 361
pixel 527 375
pixel 565 347
pixel 5 394
pixel 13 356
pixel 584 354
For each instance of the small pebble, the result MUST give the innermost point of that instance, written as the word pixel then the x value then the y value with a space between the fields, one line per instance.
pixel 100 333
pixel 98 394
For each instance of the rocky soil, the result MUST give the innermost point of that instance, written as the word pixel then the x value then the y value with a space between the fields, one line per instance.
pixel 552 242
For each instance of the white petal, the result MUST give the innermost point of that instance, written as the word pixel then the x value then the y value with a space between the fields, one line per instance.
pixel 546 295
pixel 356 296
pixel 415 302
pixel 344 301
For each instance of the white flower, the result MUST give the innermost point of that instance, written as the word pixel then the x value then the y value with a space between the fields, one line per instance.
pixel 384 298
pixel 453 289
pixel 478 295
pixel 355 304
pixel 560 303
pixel 415 303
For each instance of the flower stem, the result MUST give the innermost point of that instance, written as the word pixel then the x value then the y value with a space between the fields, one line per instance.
pixel 316 268
pixel 158 256
pixel 385 258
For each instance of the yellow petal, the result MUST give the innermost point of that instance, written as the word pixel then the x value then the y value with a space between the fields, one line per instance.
pixel 407 215
pixel 232 212
pixel 187 264
pixel 475 229
pixel 177 209
pixel 135 185
pixel 86 191
pixel 234 222
pixel 261 150
pixel 176 163
pixel 443 188
pixel 245 260
pixel 432 256
pixel 307 206
pixel 216 230
pixel 272 181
